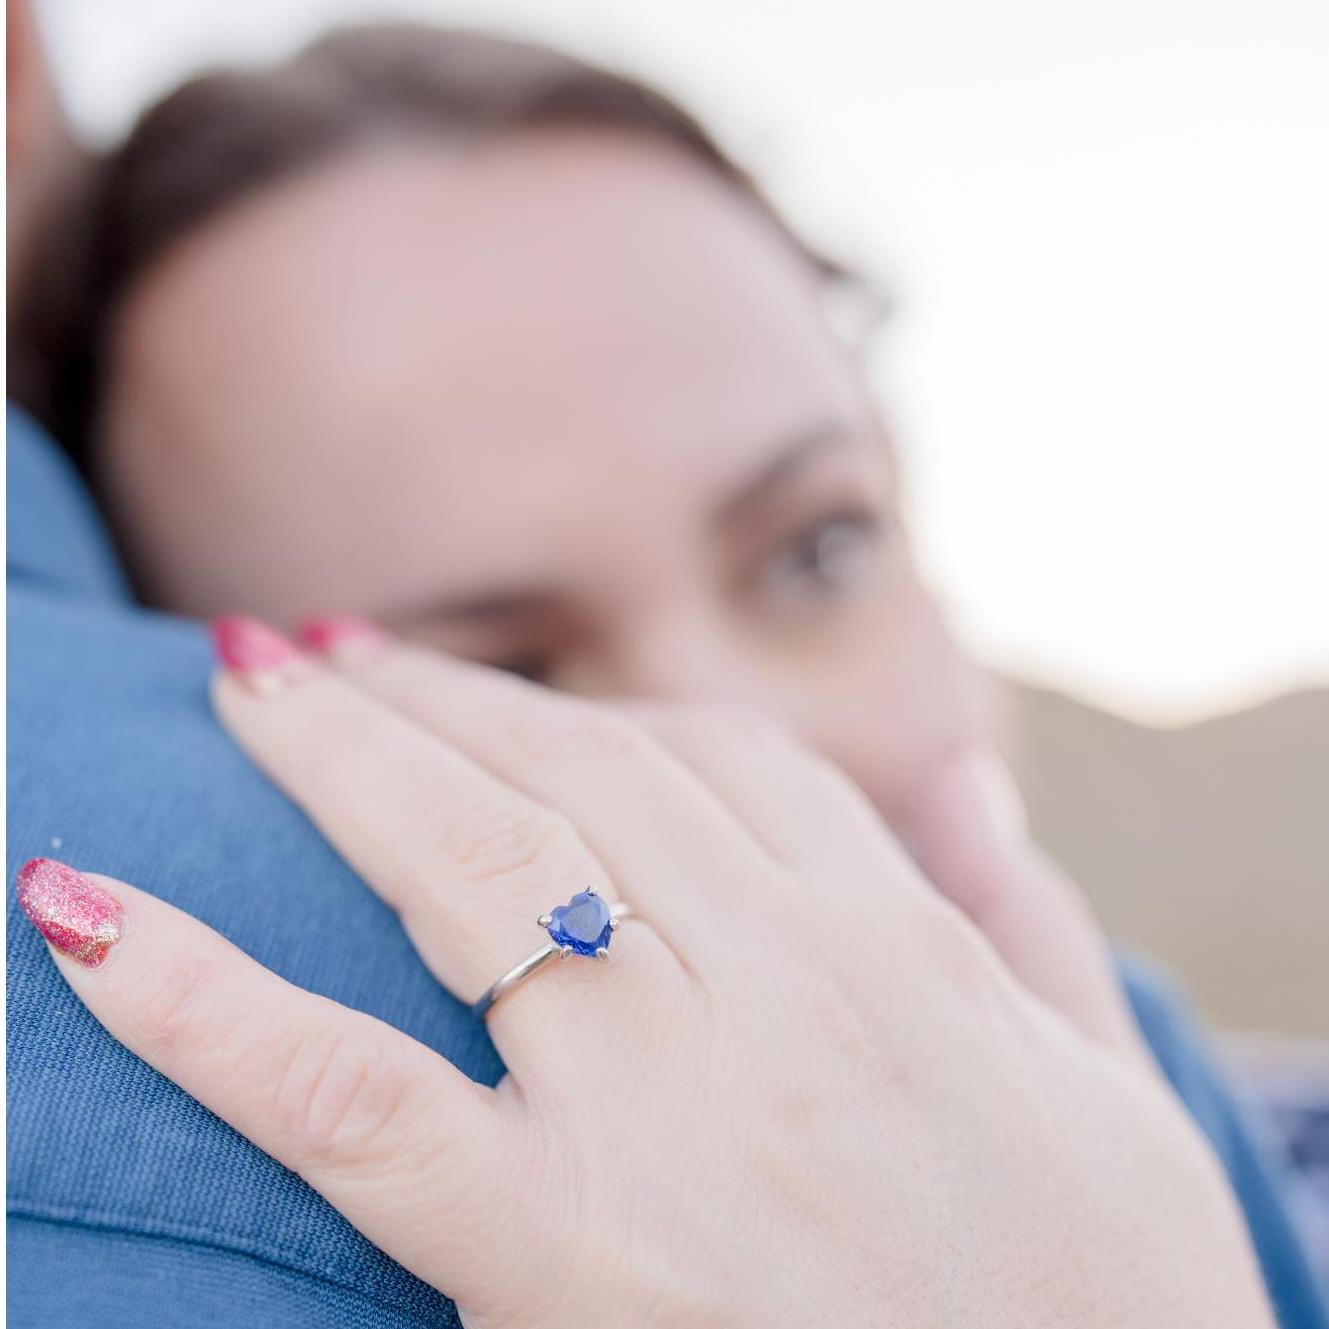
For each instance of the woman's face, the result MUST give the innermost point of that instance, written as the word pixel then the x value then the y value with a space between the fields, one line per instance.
pixel 566 403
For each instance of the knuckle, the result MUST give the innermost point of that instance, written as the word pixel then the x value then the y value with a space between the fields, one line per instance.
pixel 173 1013
pixel 499 843
pixel 336 1094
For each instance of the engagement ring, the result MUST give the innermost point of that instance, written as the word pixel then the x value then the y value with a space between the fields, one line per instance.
pixel 583 926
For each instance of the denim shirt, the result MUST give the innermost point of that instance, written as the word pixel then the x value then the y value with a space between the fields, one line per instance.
pixel 129 1203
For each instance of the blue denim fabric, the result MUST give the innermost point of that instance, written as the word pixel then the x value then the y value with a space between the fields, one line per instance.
pixel 129 1203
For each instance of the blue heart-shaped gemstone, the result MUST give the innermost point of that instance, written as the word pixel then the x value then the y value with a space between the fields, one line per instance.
pixel 583 923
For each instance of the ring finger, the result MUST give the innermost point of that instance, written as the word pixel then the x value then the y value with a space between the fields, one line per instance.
pixel 467 861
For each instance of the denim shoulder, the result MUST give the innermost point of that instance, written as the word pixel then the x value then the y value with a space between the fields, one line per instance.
pixel 129 1203
pixel 1255 1173
pixel 56 538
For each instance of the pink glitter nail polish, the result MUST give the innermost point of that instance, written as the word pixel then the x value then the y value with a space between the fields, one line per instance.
pixel 330 634
pixel 74 914
pixel 250 646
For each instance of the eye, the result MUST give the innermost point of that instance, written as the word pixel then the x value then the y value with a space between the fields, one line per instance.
pixel 831 557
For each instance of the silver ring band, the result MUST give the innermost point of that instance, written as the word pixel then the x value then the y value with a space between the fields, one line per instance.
pixel 546 952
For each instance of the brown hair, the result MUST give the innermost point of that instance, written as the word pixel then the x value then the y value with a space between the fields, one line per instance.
pixel 221 136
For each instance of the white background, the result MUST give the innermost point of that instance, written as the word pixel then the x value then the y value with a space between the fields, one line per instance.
pixel 1108 221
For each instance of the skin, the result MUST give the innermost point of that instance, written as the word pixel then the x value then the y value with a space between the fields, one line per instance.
pixel 675 492
pixel 318 405
pixel 679 491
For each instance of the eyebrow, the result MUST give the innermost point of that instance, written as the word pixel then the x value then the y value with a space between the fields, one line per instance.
pixel 798 451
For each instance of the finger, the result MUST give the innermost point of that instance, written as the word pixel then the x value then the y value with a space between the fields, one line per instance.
pixel 965 825
pixel 391 1134
pixel 805 810
pixel 664 836
pixel 467 861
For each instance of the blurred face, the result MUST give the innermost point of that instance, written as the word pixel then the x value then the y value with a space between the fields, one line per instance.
pixel 565 403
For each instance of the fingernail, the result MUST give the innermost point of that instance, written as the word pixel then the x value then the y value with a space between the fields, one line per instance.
pixel 338 635
pixel 257 653
pixel 73 913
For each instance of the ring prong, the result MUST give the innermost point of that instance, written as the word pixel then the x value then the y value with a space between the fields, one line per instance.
pixel 613 924
pixel 590 890
pixel 566 951
pixel 544 920
pixel 602 953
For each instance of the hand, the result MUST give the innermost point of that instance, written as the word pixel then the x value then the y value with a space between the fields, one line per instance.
pixel 803 1090
pixel 963 822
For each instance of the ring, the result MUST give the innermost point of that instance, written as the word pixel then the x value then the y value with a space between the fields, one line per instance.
pixel 583 926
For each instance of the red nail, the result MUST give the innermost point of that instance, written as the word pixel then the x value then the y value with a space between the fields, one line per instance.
pixel 250 646
pixel 73 913
pixel 329 634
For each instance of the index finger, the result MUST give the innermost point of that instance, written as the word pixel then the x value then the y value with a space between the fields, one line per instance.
pixel 388 1132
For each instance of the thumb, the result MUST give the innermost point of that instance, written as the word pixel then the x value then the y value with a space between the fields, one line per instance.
pixel 965 824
